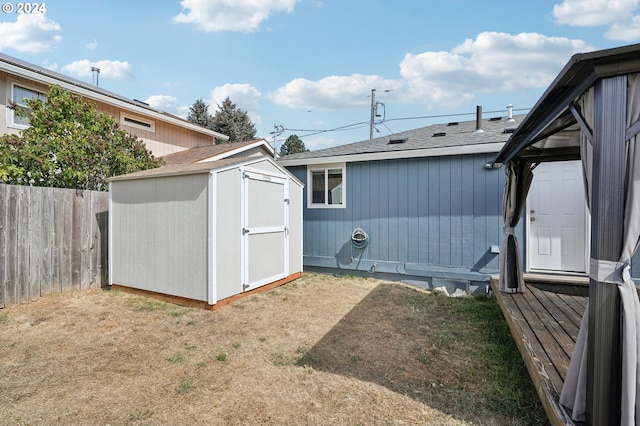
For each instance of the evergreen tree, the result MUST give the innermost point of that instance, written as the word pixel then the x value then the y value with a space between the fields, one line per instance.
pixel 233 122
pixel 292 145
pixel 199 114
pixel 69 144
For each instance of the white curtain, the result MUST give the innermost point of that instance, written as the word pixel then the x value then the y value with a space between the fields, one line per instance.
pixel 574 389
pixel 516 188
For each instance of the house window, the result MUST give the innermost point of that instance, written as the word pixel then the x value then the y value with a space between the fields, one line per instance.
pixel 327 187
pixel 18 95
pixel 137 122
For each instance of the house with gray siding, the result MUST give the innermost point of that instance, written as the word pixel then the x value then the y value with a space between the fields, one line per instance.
pixel 423 205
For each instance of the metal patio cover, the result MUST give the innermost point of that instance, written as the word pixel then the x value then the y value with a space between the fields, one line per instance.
pixel 590 112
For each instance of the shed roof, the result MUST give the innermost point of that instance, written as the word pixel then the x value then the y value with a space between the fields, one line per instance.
pixel 42 75
pixel 199 168
pixel 435 140
pixel 215 152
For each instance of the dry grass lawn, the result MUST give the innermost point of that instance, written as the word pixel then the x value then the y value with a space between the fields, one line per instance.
pixel 321 350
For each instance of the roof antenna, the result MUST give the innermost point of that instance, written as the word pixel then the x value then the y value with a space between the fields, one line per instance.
pixel 478 120
pixel 96 72
pixel 510 110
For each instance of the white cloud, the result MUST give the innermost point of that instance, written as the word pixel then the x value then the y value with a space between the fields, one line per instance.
pixel 50 65
pixel 245 97
pixel 587 13
pixel 31 32
pixel 620 15
pixel 334 92
pixel 168 104
pixel 628 30
pixel 116 70
pixel 492 62
pixel 92 44
pixel 226 15
pixel 315 143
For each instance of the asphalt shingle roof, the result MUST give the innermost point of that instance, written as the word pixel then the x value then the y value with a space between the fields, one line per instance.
pixel 193 155
pixel 435 136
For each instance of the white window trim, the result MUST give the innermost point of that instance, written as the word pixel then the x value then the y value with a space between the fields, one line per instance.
pixel 125 115
pixel 11 124
pixel 325 167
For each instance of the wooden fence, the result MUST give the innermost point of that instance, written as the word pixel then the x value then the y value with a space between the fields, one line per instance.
pixel 51 240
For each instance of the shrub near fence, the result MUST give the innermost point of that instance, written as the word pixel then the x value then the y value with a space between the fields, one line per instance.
pixel 51 240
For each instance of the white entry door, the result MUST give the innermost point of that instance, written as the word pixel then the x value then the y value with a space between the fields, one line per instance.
pixel 265 232
pixel 557 218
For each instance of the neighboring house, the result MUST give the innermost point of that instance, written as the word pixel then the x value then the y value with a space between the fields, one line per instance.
pixel 426 199
pixel 254 148
pixel 162 133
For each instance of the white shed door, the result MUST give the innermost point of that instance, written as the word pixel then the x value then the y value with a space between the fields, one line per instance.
pixel 556 217
pixel 265 232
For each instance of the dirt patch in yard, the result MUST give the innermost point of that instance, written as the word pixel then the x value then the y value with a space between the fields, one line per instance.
pixel 319 350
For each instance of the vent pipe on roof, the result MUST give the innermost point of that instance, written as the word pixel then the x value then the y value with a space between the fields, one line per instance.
pixel 478 120
pixel 510 110
pixel 96 72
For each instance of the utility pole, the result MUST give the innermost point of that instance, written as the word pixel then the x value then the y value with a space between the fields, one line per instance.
pixel 277 131
pixel 373 107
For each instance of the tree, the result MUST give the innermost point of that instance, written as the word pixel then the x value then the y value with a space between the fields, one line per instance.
pixel 69 144
pixel 292 145
pixel 199 114
pixel 233 122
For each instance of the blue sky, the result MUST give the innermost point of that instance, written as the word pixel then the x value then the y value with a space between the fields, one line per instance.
pixel 309 66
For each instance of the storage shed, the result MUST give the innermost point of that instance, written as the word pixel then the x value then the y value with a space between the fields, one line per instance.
pixel 204 234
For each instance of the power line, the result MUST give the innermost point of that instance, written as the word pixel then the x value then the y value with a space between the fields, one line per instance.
pixel 366 123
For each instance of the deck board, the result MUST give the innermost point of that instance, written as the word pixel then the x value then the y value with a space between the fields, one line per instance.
pixel 545 326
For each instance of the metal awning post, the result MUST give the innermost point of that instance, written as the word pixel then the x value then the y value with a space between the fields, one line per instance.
pixel 604 374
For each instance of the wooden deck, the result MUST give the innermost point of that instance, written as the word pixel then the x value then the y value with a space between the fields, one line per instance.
pixel 544 321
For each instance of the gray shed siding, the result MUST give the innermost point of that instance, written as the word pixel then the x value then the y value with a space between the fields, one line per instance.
pixel 228 229
pixel 176 256
pixel 424 216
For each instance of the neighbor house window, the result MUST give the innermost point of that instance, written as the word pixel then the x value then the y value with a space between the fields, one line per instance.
pixel 18 95
pixel 137 122
pixel 326 187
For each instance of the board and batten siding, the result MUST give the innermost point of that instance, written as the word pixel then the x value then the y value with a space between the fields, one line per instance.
pixel 419 213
